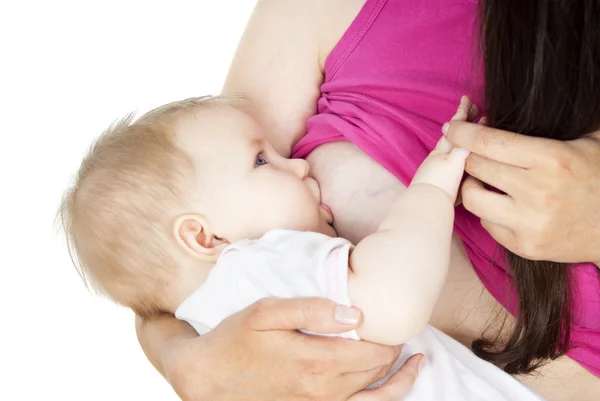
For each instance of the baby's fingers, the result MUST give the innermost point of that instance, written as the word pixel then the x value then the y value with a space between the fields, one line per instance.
pixel 459 156
pixel 443 146
pixel 473 112
pixel 465 110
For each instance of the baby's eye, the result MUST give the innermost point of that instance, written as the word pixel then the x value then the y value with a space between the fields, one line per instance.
pixel 260 161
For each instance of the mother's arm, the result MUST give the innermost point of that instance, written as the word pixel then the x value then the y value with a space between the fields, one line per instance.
pixel 279 62
pixel 258 354
pixel 159 333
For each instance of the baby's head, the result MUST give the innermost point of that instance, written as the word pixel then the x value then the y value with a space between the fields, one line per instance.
pixel 157 199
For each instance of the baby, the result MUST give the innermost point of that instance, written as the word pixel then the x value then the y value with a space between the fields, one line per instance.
pixel 190 210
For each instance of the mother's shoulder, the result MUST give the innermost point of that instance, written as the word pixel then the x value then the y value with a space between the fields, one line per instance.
pixel 327 20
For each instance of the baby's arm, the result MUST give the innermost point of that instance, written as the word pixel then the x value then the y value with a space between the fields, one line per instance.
pixel 397 273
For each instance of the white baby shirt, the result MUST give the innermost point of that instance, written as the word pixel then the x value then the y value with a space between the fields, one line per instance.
pixel 290 264
pixel 281 264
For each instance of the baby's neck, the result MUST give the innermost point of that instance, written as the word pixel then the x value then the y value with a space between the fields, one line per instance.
pixel 192 276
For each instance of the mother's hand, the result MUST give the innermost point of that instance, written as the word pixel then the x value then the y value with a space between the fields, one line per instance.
pixel 550 205
pixel 257 354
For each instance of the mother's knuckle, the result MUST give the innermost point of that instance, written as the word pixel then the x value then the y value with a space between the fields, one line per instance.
pixel 310 365
pixel 309 308
pixel 468 200
pixel 546 199
pixel 529 250
pixel 560 159
pixel 472 164
pixel 381 372
pixel 257 310
pixel 543 195
pixel 538 225
pixel 529 246
pixel 326 362
pixel 482 139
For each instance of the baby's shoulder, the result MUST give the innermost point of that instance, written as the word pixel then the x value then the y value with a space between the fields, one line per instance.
pixel 285 242
pixel 278 250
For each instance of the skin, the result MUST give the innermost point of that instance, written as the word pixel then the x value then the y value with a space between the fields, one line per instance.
pixel 244 189
pixel 541 179
pixel 279 66
pixel 316 368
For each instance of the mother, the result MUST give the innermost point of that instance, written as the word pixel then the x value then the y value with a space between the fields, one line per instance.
pixel 329 77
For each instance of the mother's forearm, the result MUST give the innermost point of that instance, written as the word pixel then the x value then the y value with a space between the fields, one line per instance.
pixel 157 334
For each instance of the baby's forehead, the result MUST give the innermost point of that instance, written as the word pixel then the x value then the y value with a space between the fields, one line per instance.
pixel 217 122
pixel 215 132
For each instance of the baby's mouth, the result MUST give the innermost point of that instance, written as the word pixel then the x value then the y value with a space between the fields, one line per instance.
pixel 316 190
pixel 327 212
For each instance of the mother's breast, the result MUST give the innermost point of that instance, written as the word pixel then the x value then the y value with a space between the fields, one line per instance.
pixel 357 189
pixel 360 192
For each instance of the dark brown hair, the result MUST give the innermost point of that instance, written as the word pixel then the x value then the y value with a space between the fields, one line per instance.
pixel 542 74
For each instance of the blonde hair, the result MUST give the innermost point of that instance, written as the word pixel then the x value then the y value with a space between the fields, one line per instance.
pixel 119 212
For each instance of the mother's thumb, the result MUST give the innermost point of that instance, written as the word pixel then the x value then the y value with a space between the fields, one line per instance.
pixel 317 315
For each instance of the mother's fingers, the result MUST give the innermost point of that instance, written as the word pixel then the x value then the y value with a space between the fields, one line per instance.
pixel 362 380
pixel 318 315
pixel 499 175
pixel 486 204
pixel 344 355
pixel 397 387
pixel 502 146
pixel 354 356
pixel 504 236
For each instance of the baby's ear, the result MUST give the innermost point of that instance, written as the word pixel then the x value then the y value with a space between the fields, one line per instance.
pixel 193 235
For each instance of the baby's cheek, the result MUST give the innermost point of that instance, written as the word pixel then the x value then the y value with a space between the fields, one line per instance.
pixel 301 217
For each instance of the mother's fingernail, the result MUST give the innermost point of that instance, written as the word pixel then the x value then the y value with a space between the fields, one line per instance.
pixel 422 363
pixel 445 128
pixel 347 315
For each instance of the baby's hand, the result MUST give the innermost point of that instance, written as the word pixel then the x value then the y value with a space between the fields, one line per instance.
pixel 445 165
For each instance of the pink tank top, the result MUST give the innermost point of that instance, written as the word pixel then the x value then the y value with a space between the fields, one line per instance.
pixel 394 78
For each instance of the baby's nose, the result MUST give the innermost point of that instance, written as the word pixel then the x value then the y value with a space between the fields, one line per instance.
pixel 300 167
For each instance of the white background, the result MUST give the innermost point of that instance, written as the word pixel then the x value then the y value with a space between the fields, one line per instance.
pixel 67 70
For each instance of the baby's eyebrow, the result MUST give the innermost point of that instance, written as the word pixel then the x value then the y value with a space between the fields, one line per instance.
pixel 256 143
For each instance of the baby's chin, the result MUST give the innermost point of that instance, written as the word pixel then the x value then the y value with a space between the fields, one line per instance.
pixel 327 229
